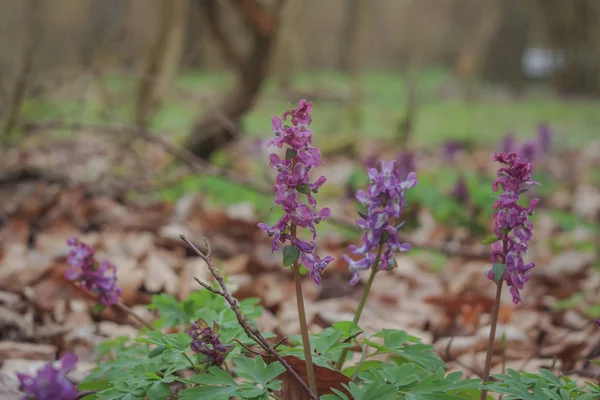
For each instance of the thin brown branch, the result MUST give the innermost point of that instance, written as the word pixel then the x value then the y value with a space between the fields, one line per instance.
pixel 252 332
pixel 257 16
pixel 19 90
pixel 246 347
pixel 208 287
pixel 132 313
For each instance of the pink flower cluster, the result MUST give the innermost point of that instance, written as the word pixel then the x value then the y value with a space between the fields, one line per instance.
pixel 98 278
pixel 511 221
pixel 384 202
pixel 292 182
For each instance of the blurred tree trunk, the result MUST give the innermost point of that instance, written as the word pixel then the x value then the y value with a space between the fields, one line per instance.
pixel 31 37
pixel 407 122
pixel 355 106
pixel 479 28
pixel 507 46
pixel 350 32
pixel 222 124
pixel 287 46
pixel 574 27
pixel 163 61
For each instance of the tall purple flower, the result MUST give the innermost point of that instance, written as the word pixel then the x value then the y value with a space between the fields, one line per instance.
pixel 205 340
pixel 98 278
pixel 50 383
pixel 384 203
pixel 511 221
pixel 292 182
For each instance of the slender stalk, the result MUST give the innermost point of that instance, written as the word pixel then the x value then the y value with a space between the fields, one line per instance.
pixel 129 311
pixel 492 340
pixel 310 370
pixel 194 367
pixel 250 329
pixel 363 300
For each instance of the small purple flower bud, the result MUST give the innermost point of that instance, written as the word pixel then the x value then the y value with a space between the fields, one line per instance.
pixel 206 341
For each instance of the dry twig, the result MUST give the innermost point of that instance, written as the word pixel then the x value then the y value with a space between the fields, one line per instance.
pixel 251 331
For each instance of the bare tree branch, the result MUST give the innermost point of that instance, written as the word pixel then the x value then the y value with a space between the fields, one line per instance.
pixel 251 331
pixel 259 19
pixel 210 8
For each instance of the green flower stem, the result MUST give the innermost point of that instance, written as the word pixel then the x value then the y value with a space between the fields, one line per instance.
pixel 194 366
pixel 492 340
pixel 363 300
pixel 310 371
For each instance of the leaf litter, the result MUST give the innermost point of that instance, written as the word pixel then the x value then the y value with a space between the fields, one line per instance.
pixel 438 292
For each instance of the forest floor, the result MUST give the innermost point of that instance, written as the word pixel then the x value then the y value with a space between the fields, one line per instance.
pixel 131 198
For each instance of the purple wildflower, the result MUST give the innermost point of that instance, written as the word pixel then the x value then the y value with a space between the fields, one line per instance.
pixel 384 203
pixel 406 164
pixel 99 278
pixel 511 221
pixel 598 323
pixel 206 341
pixel 461 191
pixel 509 143
pixel 50 383
pixel 293 180
pixel 528 151
pixel 544 138
pixel 451 148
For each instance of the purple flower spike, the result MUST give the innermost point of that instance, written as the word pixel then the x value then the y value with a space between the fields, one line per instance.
pixel 511 221
pixel 293 182
pixel 50 383
pixel 98 278
pixel 384 203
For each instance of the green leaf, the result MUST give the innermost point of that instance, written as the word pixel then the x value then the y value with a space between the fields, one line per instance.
pixel 215 376
pixel 180 340
pixel 290 153
pixel 304 188
pixel 208 393
pixel 250 391
pixel 348 328
pixel 98 384
pixel 98 308
pixel 290 255
pixel 158 391
pixel 498 271
pixel 157 351
pixel 171 311
pixel 490 239
pixel 363 215
pixel 255 369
